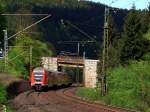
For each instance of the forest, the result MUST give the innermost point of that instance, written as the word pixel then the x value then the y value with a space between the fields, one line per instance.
pixel 87 17
pixel 128 75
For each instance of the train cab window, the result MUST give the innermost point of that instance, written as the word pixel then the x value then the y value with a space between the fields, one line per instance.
pixel 1 53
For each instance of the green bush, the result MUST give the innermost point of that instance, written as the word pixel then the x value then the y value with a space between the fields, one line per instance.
pixel 3 94
pixel 89 93
pixel 19 58
pixel 146 57
pixel 9 109
pixel 1 65
pixel 128 86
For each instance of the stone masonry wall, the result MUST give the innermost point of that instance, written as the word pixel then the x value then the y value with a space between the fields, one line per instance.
pixel 90 73
pixel 50 63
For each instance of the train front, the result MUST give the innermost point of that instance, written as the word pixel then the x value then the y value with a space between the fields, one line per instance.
pixel 38 79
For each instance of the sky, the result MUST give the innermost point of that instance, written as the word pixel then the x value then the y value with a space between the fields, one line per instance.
pixel 140 4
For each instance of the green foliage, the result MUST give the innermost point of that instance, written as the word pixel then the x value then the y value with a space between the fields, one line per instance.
pixel 120 86
pixel 41 3
pixel 128 86
pixel 1 65
pixel 134 44
pixel 9 109
pixel 2 26
pixel 112 30
pixel 114 45
pixel 19 57
pixel 130 83
pixel 40 48
pixel 147 34
pixel 146 57
pixel 89 93
pixel 17 62
pixel 144 20
pixel 88 20
pixel 2 94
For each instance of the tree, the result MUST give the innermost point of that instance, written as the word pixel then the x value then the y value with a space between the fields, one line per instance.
pixel 147 37
pixel 144 20
pixel 2 27
pixel 114 50
pixel 19 57
pixel 134 45
pixel 114 46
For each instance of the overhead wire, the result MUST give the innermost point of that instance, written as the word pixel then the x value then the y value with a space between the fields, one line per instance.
pixel 90 26
pixel 92 19
pixel 81 31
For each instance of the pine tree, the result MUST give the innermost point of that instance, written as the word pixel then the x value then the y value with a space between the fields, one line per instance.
pixel 112 30
pixel 147 37
pixel 134 45
pixel 113 44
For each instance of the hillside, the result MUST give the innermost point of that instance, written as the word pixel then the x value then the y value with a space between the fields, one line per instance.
pixel 86 16
pixel 123 72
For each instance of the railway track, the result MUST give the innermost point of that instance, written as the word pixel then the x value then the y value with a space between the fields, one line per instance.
pixel 62 100
pixel 68 94
pixel 29 102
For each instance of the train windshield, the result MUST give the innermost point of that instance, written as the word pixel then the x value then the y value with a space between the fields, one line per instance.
pixel 38 75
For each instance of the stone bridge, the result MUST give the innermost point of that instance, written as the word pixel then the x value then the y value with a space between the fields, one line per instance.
pixel 89 67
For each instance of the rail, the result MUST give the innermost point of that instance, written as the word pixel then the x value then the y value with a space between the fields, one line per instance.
pixel 68 93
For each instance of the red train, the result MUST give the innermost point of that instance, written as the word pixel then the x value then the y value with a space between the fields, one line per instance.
pixel 41 78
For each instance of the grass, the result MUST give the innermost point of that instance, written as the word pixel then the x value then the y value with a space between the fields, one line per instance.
pixel 9 109
pixel 128 87
pixel 3 94
pixel 89 93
